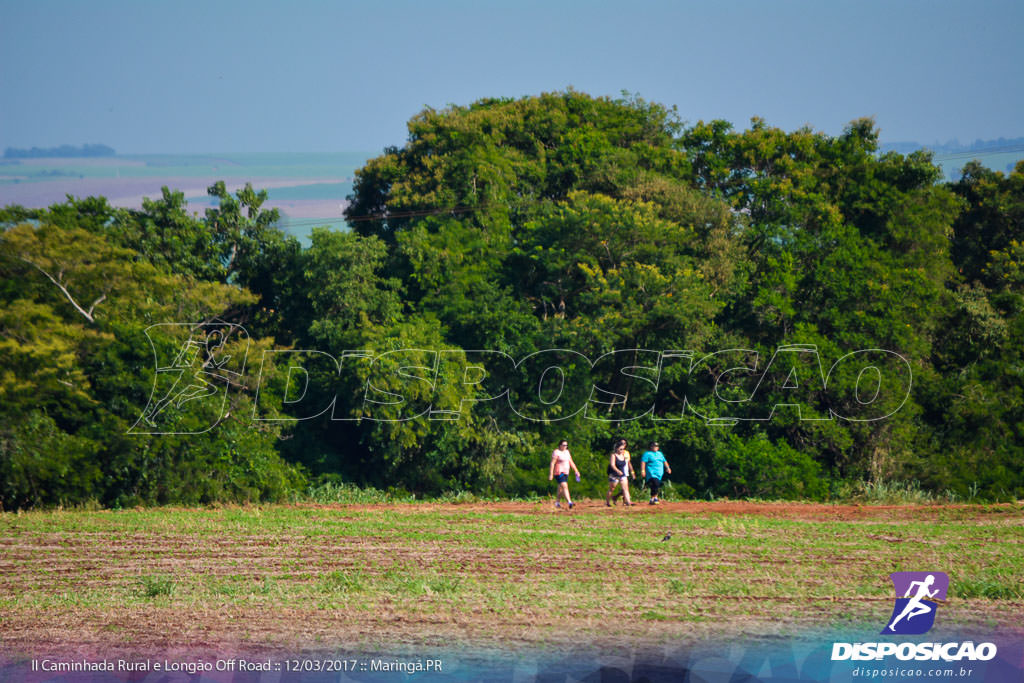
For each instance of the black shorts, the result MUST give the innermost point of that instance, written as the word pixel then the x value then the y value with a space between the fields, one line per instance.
pixel 561 478
pixel 654 485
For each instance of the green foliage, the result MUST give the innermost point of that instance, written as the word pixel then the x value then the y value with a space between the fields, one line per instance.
pixel 990 586
pixel 345 289
pixel 77 373
pixel 42 465
pixel 993 220
pixel 893 493
pixel 332 490
pixel 156 586
pixel 561 223
pixel 343 582
pixel 175 240
pixel 757 468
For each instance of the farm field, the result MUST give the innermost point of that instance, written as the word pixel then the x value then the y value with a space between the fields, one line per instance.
pixel 308 189
pixel 520 576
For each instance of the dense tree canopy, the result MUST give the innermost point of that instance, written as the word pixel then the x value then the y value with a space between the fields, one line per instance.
pixel 787 312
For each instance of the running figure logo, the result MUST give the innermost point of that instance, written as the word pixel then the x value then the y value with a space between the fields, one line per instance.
pixel 194 370
pixel 922 592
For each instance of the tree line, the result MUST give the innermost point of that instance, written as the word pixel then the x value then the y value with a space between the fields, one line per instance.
pixel 69 151
pixel 561 221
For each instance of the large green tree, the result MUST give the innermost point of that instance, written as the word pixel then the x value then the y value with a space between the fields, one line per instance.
pixel 77 345
pixel 832 313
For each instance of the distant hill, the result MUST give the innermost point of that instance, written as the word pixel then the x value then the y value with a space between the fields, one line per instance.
pixel 64 151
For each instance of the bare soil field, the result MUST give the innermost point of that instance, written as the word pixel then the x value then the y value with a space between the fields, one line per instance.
pixel 515 576
pixel 129 192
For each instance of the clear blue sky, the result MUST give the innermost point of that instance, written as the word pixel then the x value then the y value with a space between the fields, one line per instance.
pixel 218 76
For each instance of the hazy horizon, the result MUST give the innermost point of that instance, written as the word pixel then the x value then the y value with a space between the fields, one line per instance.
pixel 186 77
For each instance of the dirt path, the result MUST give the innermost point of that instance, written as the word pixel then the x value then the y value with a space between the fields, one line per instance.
pixel 782 510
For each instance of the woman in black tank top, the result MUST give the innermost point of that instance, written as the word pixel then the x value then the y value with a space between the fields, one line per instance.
pixel 619 471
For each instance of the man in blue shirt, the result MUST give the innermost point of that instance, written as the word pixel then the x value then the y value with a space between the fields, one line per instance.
pixel 653 467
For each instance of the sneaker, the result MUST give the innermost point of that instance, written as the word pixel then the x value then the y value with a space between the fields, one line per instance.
pixel 558 505
pixel 653 502
pixel 572 505
pixel 607 503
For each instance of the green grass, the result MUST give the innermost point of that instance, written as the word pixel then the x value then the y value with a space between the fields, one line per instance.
pixel 991 586
pixel 444 564
pixel 343 582
pixel 155 586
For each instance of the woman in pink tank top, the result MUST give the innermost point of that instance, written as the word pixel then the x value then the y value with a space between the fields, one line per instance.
pixel 561 463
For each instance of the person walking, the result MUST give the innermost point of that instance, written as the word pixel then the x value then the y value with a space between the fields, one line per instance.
pixel 619 472
pixel 561 463
pixel 653 467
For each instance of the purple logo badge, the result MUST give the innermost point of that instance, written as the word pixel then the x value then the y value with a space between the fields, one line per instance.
pixel 918 595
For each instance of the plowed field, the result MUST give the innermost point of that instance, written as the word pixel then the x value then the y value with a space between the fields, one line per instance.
pixel 504 575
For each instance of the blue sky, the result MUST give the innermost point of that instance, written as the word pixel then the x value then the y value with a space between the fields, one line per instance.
pixel 218 76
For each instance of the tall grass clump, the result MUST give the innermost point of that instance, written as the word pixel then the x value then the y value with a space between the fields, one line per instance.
pixel 345 492
pixel 343 582
pixel 155 586
pixel 892 493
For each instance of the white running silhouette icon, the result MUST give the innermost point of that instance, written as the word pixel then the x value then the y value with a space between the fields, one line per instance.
pixel 916 606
